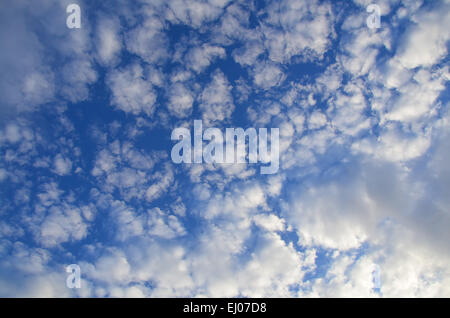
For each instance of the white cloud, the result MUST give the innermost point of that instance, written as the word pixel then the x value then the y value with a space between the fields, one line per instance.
pixel 170 271
pixel 394 144
pixel 343 221
pixel 199 58
pixel 394 212
pixel 181 100
pixel 128 222
pixel 161 181
pixel 272 269
pixel 131 92
pixel 62 165
pixel 109 41
pixel 361 48
pixel 121 167
pixel 110 268
pixel 348 111
pixel 148 40
pixel 78 75
pixel 248 54
pixel 64 223
pixel 194 12
pixel 216 102
pixel 317 120
pixel 33 81
pixel 13 133
pixel 297 28
pixel 39 87
pixel 425 42
pixel 417 97
pixel 267 75
pixel 269 222
pixel 50 194
pixel 165 226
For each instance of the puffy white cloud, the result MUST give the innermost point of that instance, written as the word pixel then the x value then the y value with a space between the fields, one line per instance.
pixel 346 277
pixel 361 47
pixel 198 58
pixel 417 97
pixel 317 120
pixel 274 185
pixel 148 40
pixel 109 43
pixel 169 272
pixel 131 92
pixel 394 145
pixel 78 75
pixel 348 111
pixel 236 203
pixel 50 194
pixel 62 165
pixel 181 100
pixel 216 102
pixel 343 221
pixel 248 54
pixel 12 133
pixel 269 222
pixel 38 87
pixel 64 223
pixel 130 171
pixel 267 75
pixel 35 80
pixel 273 268
pixel 127 221
pixel 161 182
pixel 394 212
pixel 425 42
pixel 195 12
pixel 297 28
pixel 112 267
pixel 160 225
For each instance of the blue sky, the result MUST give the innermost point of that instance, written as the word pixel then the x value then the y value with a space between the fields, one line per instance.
pixel 86 175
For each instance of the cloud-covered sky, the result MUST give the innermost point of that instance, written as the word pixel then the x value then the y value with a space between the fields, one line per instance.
pixel 360 203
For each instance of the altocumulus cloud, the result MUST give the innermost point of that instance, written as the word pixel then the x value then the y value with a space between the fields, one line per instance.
pixel 86 176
